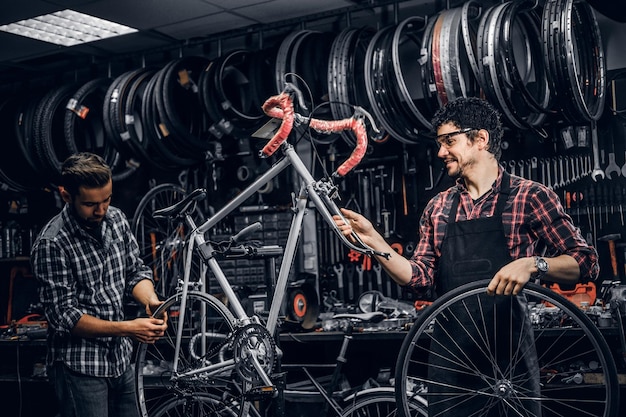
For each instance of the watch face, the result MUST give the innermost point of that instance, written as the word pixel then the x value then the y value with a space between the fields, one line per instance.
pixel 542 265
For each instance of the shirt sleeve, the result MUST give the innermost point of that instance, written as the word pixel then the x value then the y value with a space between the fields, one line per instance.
pixel 56 286
pixel 136 269
pixel 423 260
pixel 556 229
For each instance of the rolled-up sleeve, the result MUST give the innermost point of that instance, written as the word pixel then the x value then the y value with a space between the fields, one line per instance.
pixel 56 288
pixel 555 227
pixel 135 270
pixel 424 260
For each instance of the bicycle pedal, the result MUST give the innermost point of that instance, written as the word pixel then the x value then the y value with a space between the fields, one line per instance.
pixel 261 391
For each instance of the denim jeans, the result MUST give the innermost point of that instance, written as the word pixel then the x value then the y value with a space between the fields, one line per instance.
pixel 88 396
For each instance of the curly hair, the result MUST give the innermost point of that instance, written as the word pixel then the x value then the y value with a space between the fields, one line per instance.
pixel 84 169
pixel 475 113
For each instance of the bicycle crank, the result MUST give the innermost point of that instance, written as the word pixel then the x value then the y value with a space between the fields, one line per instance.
pixel 254 351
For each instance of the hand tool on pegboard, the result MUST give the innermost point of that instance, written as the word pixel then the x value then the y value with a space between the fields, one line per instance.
pixel 617 197
pixel 384 212
pixel 338 268
pixel 611 239
pixel 349 270
pixel 597 171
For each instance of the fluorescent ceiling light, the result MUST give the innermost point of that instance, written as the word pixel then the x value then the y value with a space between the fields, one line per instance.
pixel 67 28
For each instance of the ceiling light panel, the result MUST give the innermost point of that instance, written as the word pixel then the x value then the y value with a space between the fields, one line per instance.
pixel 67 28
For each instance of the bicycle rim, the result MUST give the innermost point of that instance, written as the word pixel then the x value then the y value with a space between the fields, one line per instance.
pixel 577 373
pixel 160 240
pixel 197 405
pixel 206 330
pixel 382 404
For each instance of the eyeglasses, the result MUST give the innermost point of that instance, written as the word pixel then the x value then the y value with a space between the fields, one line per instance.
pixel 446 138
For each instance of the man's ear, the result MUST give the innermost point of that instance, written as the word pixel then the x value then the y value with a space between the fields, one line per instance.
pixel 482 136
pixel 65 195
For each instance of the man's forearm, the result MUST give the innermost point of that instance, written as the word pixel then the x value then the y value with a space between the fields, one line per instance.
pixel 396 266
pixel 90 326
pixel 144 293
pixel 563 269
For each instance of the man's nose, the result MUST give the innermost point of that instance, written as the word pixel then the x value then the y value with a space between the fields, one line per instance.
pixel 100 208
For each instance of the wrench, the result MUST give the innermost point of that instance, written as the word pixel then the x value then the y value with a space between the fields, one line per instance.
pixel 512 165
pixel 359 271
pixel 338 268
pixel 350 269
pixel 378 270
pixel 612 167
pixel 597 171
pixel 546 163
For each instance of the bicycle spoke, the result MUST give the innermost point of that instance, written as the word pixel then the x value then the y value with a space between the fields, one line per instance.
pixel 463 351
pixel 381 404
pixel 204 365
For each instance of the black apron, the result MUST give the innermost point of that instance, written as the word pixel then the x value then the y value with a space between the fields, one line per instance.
pixel 473 250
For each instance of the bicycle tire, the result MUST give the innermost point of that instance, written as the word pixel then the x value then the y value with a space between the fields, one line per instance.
pixel 15 169
pixel 564 354
pixel 24 119
pixel 48 125
pixel 135 126
pixel 158 384
pixel 86 132
pixel 159 240
pixel 381 402
pixel 199 405
pixel 154 128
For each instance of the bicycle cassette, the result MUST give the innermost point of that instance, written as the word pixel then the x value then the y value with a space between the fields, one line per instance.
pixel 251 342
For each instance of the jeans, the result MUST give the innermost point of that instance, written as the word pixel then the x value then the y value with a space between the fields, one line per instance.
pixel 88 396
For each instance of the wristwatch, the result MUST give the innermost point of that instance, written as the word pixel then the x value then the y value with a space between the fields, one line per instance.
pixel 542 268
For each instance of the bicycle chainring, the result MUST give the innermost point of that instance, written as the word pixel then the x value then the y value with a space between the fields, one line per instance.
pixel 253 340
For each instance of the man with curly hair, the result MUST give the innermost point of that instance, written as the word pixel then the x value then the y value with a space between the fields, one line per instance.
pixel 489 225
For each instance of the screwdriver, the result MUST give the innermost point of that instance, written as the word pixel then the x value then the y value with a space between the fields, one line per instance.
pixel 591 202
pixel 618 200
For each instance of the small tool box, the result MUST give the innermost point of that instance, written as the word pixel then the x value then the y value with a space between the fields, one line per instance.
pixel 582 295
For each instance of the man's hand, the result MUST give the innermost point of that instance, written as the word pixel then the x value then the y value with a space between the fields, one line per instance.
pixel 146 330
pixel 512 277
pixel 355 223
pixel 397 267
pixel 152 306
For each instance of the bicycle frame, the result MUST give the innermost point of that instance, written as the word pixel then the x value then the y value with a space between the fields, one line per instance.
pixel 319 192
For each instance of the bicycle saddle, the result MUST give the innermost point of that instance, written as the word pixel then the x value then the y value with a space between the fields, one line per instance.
pixel 373 317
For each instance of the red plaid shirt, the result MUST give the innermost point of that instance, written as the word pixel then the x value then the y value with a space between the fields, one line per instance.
pixel 535 223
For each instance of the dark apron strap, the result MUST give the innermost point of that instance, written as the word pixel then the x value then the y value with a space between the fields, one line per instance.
pixel 503 196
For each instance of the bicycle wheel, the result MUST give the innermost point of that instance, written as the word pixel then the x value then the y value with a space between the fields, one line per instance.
pixel 198 405
pixel 382 403
pixel 160 240
pixel 576 371
pixel 206 333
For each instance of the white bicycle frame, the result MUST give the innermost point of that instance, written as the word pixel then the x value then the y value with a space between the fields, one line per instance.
pixel 319 192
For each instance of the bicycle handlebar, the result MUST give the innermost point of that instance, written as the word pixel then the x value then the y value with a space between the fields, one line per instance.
pixel 246 231
pixel 281 107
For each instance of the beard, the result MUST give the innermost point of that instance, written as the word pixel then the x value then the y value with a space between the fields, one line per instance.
pixel 89 224
pixel 463 167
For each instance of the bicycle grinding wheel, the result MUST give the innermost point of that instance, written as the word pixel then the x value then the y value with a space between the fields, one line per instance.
pixel 303 305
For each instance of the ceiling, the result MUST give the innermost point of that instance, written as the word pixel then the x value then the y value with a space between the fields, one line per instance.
pixel 167 26
pixel 162 24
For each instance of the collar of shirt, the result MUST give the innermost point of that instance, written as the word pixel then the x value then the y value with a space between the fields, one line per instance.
pixel 471 208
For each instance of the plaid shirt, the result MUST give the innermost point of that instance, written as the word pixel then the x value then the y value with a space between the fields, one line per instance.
pixel 78 274
pixel 533 218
